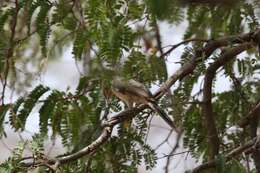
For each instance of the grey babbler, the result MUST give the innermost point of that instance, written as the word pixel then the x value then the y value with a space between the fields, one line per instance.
pixel 132 91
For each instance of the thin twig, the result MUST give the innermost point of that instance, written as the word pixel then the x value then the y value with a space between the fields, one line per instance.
pixel 169 157
pixel 174 154
pixel 181 43
pixel 165 140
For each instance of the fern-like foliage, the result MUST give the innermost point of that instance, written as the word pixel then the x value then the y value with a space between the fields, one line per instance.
pixel 13 162
pixel 42 24
pixel 32 6
pixel 127 154
pixel 144 68
pixel 19 114
pixel 46 111
pixel 220 19
pixel 36 146
pixel 114 37
pixel 80 43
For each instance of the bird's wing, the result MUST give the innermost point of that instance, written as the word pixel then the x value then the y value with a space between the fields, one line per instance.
pixel 138 89
pixel 132 89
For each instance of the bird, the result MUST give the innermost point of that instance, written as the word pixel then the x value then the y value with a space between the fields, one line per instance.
pixel 131 91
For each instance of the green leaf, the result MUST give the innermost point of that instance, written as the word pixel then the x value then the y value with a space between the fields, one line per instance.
pixel 43 26
pixel 28 104
pixel 220 164
pixel 80 43
pixel 47 110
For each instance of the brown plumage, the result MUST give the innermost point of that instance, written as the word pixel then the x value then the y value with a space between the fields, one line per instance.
pixel 131 91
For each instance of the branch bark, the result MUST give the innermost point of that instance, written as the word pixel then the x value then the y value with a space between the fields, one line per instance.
pixel 232 154
pixel 210 124
pixel 254 112
pixel 10 49
pixel 106 133
pixel 253 133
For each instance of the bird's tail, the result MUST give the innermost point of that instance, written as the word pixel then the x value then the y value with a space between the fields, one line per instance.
pixel 162 114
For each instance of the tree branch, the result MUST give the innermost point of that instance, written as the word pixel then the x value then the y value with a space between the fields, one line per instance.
pixel 10 49
pixel 212 134
pixel 106 133
pixel 181 43
pixel 254 112
pixel 158 37
pixel 169 157
pixel 253 133
pixel 204 52
pixel 212 45
pixel 235 152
